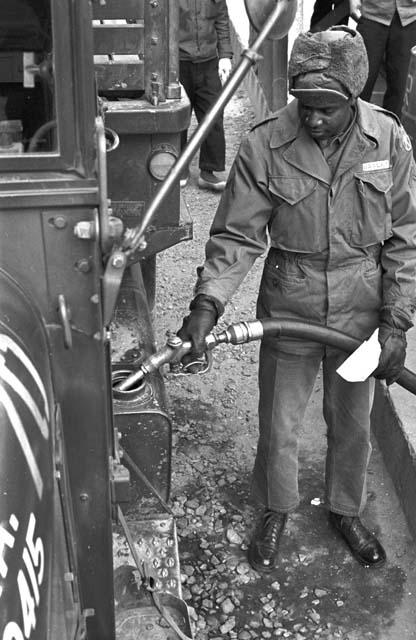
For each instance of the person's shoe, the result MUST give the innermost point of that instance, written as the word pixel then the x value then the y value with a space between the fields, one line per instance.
pixel 208 180
pixel 364 545
pixel 264 546
pixel 183 182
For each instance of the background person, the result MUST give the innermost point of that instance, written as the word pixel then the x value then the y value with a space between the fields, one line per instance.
pixel 205 55
pixel 330 180
pixel 388 28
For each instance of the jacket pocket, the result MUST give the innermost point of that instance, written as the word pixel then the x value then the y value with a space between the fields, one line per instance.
pixel 297 223
pixel 372 222
pixel 281 272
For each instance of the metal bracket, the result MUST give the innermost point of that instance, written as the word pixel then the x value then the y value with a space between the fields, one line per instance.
pixel 119 483
pixel 113 275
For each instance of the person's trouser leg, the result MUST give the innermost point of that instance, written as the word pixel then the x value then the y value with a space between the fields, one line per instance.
pixel 321 9
pixel 347 407
pixel 207 89
pixel 285 383
pixel 398 52
pixel 375 38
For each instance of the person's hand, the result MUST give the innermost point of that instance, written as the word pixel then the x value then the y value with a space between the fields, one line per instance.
pixel 196 327
pixel 224 69
pixel 393 353
pixel 355 9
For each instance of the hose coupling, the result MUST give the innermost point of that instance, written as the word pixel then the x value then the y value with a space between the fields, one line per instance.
pixel 241 333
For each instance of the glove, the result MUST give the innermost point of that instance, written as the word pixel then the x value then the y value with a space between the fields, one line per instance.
pixel 224 69
pixel 197 326
pixel 393 353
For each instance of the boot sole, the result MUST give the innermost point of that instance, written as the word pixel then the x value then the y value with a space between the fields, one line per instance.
pixel 203 184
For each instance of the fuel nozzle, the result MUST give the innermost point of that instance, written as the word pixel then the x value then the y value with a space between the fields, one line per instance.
pixel 175 349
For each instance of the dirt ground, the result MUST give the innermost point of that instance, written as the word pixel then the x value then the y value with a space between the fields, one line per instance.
pixel 318 590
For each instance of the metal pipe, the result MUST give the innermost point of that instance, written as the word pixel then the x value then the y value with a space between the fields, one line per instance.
pixel 134 238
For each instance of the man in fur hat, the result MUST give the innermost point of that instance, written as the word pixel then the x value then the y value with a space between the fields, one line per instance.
pixel 330 180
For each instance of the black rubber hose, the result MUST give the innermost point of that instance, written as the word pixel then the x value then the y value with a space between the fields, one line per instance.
pixel 289 328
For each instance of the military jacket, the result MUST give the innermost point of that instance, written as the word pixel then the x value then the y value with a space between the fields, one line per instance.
pixel 343 240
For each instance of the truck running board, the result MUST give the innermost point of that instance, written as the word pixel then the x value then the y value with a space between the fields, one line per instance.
pixel 148 594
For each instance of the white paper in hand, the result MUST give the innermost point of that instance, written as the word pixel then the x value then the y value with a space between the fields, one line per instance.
pixel 363 361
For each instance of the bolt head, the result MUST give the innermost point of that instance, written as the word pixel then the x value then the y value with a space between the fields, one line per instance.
pixel 60 222
pixel 118 262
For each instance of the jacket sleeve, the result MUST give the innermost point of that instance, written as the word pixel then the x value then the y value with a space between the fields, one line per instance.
pixel 238 233
pixel 398 255
pixel 222 27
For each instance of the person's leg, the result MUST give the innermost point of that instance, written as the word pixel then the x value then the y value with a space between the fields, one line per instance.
pixel 323 9
pixel 320 9
pixel 207 90
pixel 398 52
pixel 347 407
pixel 375 38
pixel 285 383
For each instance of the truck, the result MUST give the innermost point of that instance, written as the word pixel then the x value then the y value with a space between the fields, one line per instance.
pixel 91 111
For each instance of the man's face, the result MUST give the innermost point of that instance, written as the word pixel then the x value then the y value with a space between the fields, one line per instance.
pixel 326 120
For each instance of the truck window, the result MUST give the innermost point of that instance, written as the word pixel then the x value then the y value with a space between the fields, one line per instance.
pixel 27 102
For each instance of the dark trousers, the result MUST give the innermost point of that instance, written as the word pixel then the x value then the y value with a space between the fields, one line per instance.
pixel 392 44
pixel 322 8
pixel 286 382
pixel 202 85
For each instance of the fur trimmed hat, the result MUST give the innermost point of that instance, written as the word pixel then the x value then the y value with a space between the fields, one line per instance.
pixel 338 53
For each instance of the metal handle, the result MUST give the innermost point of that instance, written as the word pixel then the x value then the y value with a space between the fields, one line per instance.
pixel 103 217
pixel 64 315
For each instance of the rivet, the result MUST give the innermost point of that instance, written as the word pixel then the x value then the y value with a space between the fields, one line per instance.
pixel 60 222
pixel 118 262
pixel 83 265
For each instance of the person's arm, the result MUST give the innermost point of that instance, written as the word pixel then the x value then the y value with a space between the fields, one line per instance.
pixel 238 236
pixel 222 27
pixel 398 261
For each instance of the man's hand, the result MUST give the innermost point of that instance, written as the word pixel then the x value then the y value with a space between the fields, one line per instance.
pixel 197 326
pixel 355 9
pixel 393 353
pixel 224 69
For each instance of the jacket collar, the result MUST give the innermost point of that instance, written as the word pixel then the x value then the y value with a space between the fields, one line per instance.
pixel 302 152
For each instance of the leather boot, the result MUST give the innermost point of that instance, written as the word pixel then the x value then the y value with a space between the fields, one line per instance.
pixel 262 552
pixel 364 545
